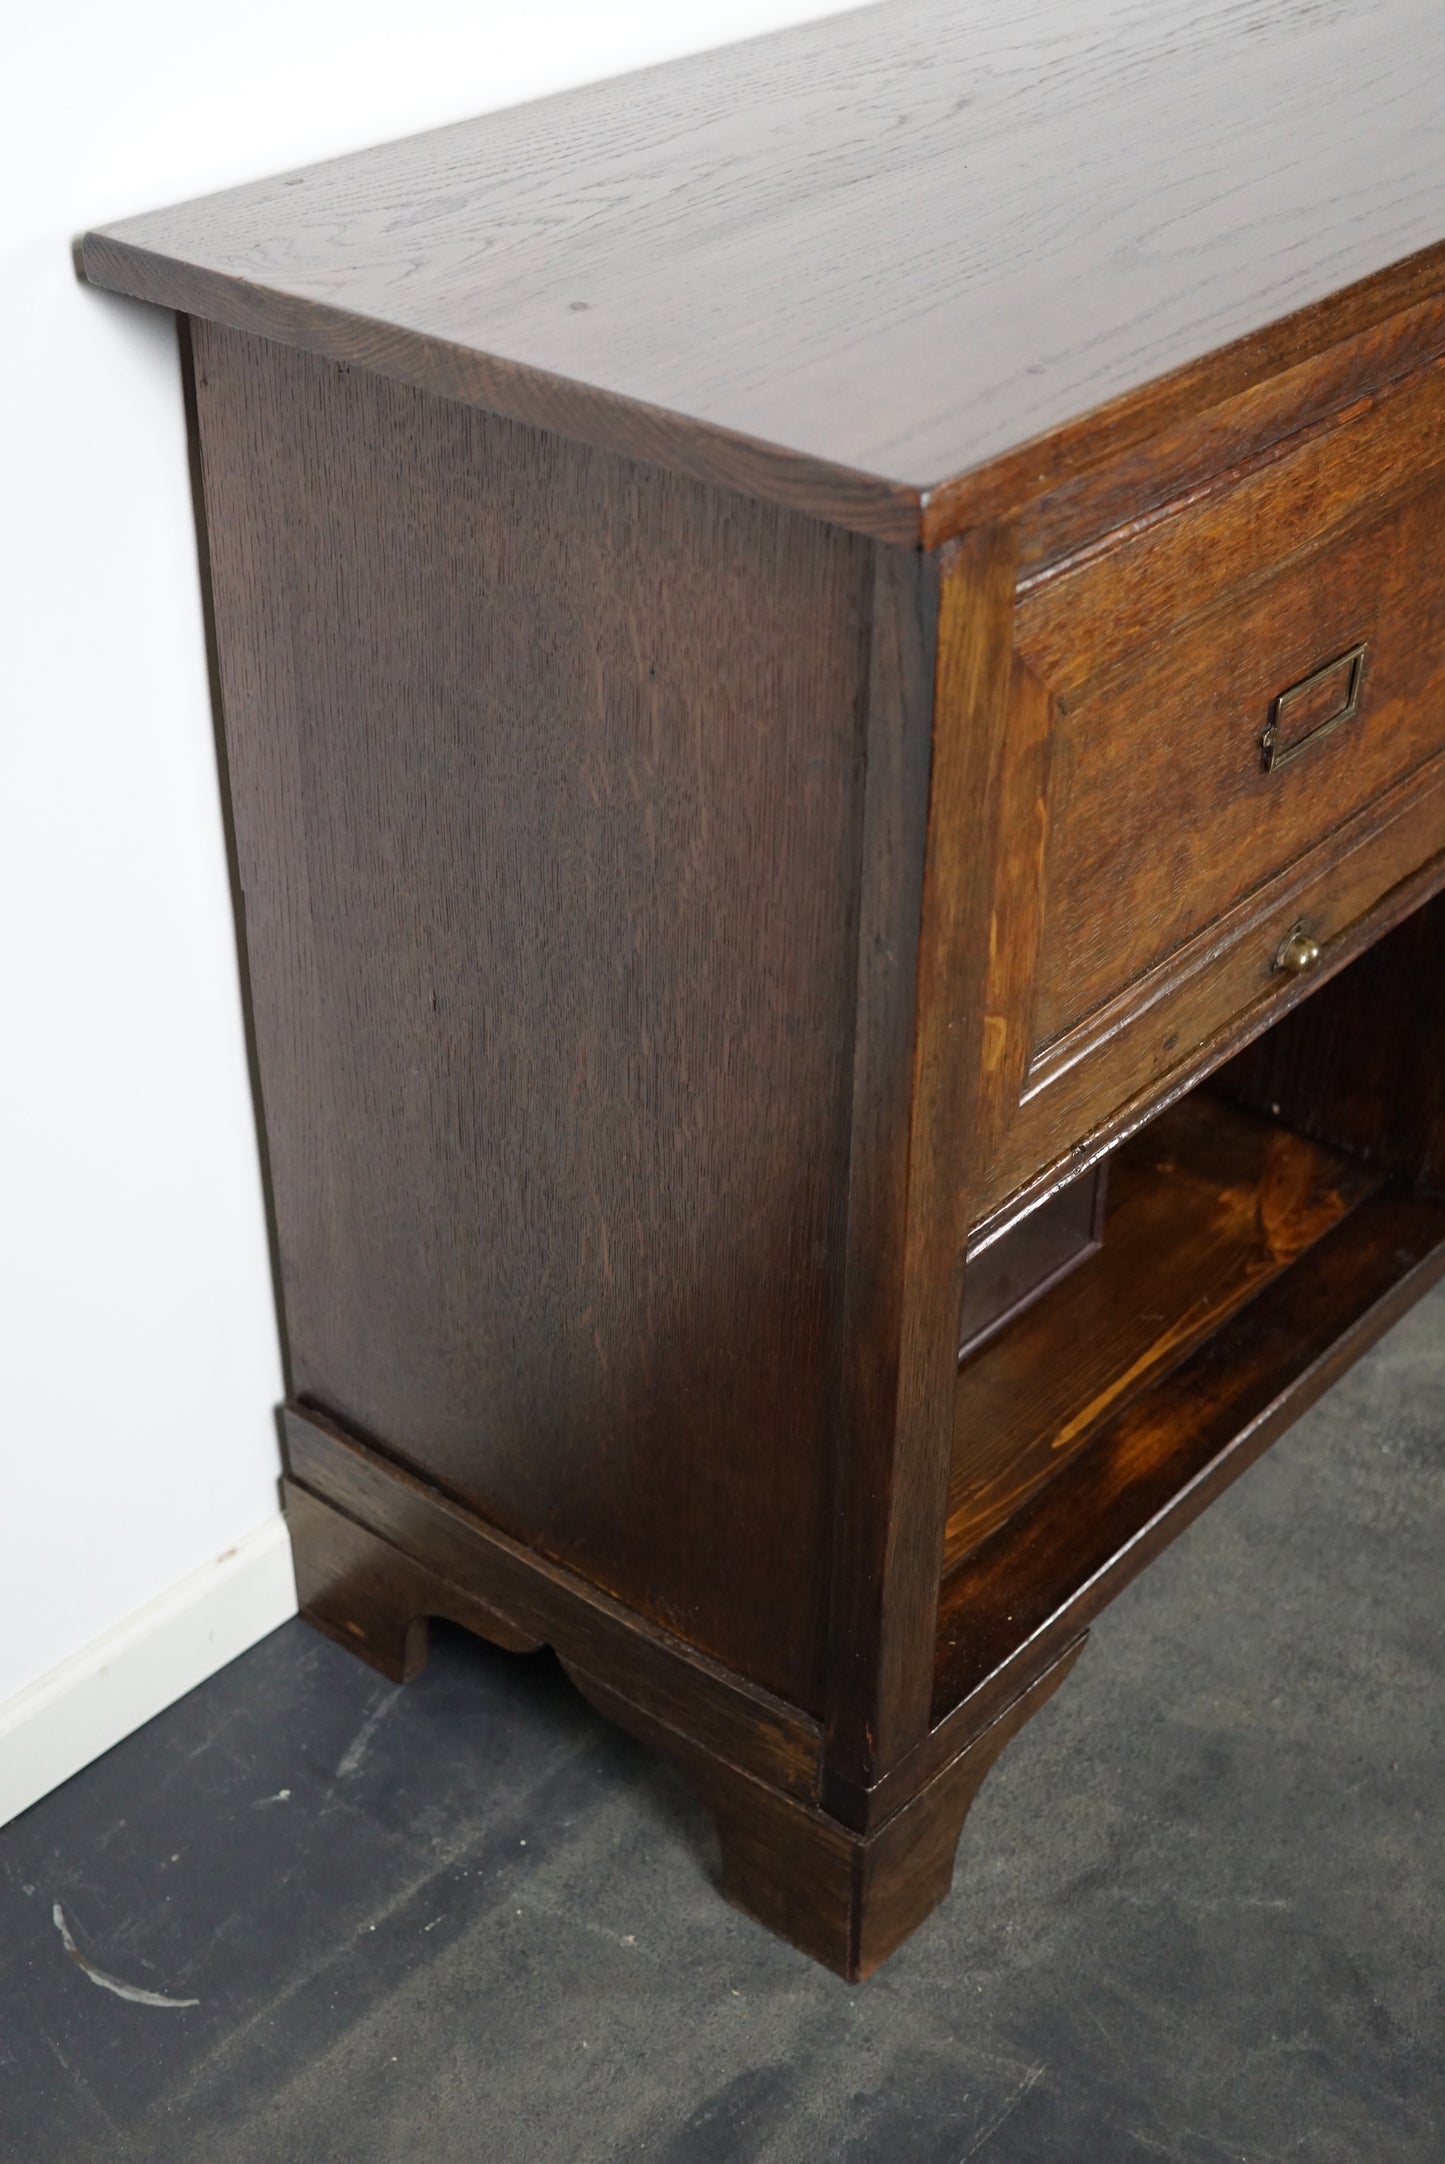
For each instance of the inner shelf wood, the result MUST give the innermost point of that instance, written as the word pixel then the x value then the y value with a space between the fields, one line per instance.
pixel 831 662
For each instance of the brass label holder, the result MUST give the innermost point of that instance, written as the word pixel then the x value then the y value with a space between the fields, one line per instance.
pixel 1348 669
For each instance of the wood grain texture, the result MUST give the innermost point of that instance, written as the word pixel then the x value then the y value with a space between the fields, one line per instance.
pixel 1186 450
pixel 1208 1205
pixel 428 1554
pixel 1137 586
pixel 851 266
pixel 1163 817
pixel 746 601
pixel 962 871
pixel 846 1897
pixel 868 1359
pixel 1362 1065
pixel 547 787
pixel 1003 1277
pixel 376 1600
pixel 1174 1025
pixel 1043 1576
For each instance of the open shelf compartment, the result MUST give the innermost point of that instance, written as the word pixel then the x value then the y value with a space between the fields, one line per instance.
pixel 1244 1265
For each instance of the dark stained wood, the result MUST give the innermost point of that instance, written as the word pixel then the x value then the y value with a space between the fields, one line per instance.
pixel 1020 1263
pixel 1273 416
pixel 1167 1029
pixel 1186 731
pixel 1043 1576
pixel 745 604
pixel 1362 1065
pixel 1171 1076
pixel 868 1362
pixel 1163 816
pixel 1362 877
pixel 546 892
pixel 430 1547
pixel 964 871
pixel 852 266
pixel 1155 868
pixel 1209 1204
pixel 1139 450
pixel 374 1599
pixel 1094 614
pixel 849 1899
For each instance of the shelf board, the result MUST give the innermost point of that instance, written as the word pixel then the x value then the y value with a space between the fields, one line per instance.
pixel 1208 1205
pixel 1040 1577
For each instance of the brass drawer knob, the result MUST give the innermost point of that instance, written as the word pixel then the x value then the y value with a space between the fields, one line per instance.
pixel 1299 953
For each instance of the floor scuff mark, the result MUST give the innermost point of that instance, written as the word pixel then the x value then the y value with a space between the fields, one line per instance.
pixel 988 2132
pixel 360 1743
pixel 133 1992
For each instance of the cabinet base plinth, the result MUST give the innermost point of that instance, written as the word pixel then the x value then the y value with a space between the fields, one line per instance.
pixel 846 1897
pixel 850 1899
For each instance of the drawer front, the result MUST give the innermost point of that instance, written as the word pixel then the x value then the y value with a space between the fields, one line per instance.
pixel 1230 983
pixel 1231 688
pixel 1224 729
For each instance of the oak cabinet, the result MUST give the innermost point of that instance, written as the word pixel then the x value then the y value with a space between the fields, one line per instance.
pixel 815 645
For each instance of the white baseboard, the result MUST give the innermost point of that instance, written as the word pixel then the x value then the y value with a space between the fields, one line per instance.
pixel 143 1664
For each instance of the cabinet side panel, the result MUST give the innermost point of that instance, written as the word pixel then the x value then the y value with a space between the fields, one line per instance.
pixel 547 780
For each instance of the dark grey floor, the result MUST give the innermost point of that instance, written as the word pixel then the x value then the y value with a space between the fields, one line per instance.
pixel 1199 1910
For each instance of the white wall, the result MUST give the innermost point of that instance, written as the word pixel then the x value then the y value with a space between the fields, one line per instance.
pixel 138 1356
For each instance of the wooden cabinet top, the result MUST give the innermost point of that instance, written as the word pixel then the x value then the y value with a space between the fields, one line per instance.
pixel 899 268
